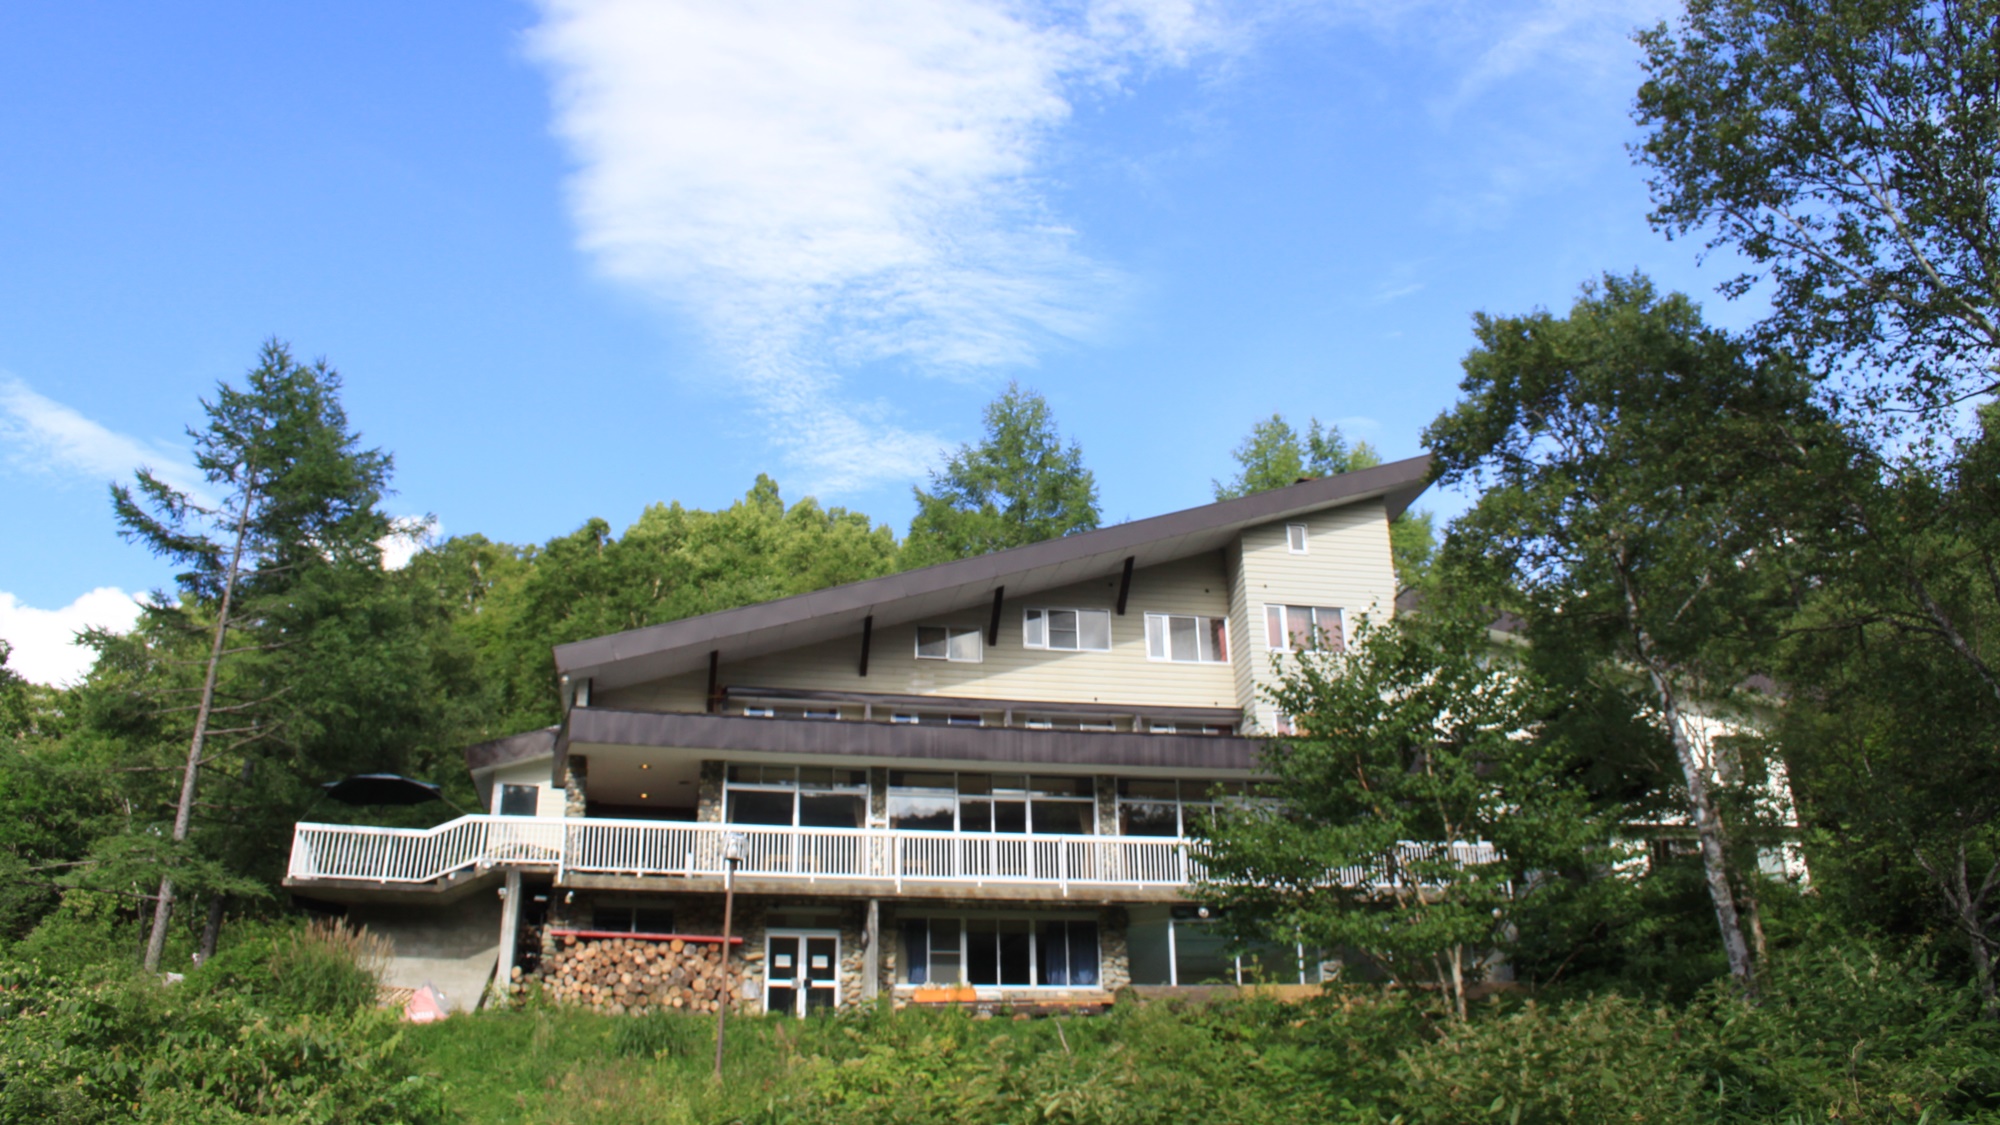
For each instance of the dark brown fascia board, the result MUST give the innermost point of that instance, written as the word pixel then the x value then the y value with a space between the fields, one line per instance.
pixel 513 748
pixel 1397 483
pixel 912 743
pixel 1150 711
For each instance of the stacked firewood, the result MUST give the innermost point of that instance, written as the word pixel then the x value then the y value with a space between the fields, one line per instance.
pixel 621 975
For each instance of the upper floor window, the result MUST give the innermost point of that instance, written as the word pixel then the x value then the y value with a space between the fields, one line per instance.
pixel 1300 628
pixel 1187 640
pixel 1295 538
pixel 940 642
pixel 1067 630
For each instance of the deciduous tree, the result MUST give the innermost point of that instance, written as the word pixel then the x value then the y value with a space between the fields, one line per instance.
pixel 1643 479
pixel 1851 150
pixel 1410 750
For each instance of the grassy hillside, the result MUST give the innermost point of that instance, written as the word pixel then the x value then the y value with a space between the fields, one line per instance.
pixel 280 1028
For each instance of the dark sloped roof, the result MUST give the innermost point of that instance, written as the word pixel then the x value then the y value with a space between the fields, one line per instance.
pixel 677 647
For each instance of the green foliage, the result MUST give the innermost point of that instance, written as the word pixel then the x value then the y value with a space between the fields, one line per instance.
pixel 1018 486
pixel 260 1037
pixel 1275 455
pixel 1841 1034
pixel 511 605
pixel 1851 150
pixel 1647 485
pixel 322 969
pixel 1420 733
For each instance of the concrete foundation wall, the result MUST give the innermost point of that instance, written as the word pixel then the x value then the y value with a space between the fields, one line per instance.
pixel 455 947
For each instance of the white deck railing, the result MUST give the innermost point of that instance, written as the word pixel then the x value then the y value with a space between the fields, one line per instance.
pixel 652 847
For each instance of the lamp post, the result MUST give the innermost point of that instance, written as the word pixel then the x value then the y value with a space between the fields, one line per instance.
pixel 732 854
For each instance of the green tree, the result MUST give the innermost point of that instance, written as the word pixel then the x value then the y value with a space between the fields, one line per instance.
pixel 1642 479
pixel 1850 149
pixel 1417 739
pixel 1276 454
pixel 298 505
pixel 514 605
pixel 1018 486
pixel 1893 731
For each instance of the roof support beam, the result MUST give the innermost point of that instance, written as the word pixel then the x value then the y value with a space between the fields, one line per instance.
pixel 714 688
pixel 867 635
pixel 1125 585
pixel 993 626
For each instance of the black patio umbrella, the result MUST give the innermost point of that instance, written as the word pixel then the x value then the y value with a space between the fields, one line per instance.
pixel 382 789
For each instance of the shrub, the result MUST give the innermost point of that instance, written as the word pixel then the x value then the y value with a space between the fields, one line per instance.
pixel 325 968
pixel 132 1049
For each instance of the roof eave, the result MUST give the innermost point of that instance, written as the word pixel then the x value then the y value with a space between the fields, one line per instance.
pixel 1397 484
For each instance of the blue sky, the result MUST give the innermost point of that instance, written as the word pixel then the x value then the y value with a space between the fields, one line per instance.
pixel 579 256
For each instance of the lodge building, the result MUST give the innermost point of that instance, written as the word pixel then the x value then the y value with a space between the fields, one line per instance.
pixel 971 782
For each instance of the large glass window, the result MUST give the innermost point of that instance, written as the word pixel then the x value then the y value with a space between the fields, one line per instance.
pixel 793 796
pixel 992 802
pixel 1067 630
pixel 999 952
pixel 1301 628
pixel 519 800
pixel 1187 639
pixel 950 642
pixel 1149 807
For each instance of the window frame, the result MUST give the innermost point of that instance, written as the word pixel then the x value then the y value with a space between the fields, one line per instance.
pixel 1206 625
pixel 506 789
pixel 1278 629
pixel 1028 795
pixel 798 791
pixel 953 633
pixel 1039 614
pixel 1039 929
pixel 1301 543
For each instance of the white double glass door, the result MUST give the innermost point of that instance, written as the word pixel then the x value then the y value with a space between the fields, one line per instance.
pixel 801 971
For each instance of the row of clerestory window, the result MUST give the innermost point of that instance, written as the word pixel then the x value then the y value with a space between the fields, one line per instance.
pixel 1175 638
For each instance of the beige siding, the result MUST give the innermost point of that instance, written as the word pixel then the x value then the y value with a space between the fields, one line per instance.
pixel 676 693
pixel 548 802
pixel 1346 565
pixel 1008 671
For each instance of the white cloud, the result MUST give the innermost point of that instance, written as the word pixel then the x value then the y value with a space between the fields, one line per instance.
pixel 407 535
pixel 841 183
pixel 44 640
pixel 41 435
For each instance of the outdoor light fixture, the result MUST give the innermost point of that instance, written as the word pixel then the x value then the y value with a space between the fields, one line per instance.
pixel 643 796
pixel 732 854
pixel 645 765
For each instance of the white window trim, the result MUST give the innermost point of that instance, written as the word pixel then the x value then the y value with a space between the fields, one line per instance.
pixel 951 633
pixel 1202 625
pixel 1027 642
pixel 1304 540
pixel 1286 632
pixel 1035 922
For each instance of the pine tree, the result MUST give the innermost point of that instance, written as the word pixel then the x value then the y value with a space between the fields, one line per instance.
pixel 298 497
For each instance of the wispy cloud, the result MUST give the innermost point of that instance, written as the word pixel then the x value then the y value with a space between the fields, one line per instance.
pixel 847 185
pixel 44 640
pixel 42 436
